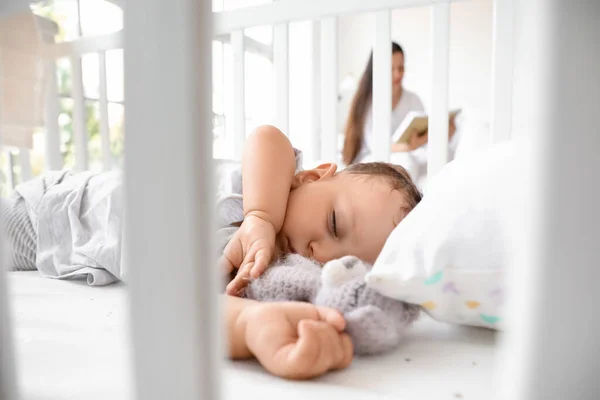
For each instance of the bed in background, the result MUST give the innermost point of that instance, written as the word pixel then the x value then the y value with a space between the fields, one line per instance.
pixel 72 343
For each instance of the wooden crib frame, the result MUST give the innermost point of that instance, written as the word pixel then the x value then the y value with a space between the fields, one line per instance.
pixel 180 326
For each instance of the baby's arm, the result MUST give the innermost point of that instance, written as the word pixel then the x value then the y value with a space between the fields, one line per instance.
pixel 268 168
pixel 291 340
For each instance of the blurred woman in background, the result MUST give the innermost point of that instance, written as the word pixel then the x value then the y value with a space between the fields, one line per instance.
pixel 358 136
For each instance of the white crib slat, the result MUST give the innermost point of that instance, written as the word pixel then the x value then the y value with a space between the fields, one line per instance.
pixel 502 70
pixel 8 376
pixel 10 174
pixel 329 89
pixel 239 93
pixel 107 159
pixel 282 76
pixel 293 10
pixel 54 160
pixel 382 85
pixel 8 387
pixel 171 270
pixel 315 134
pixel 554 351
pixel 251 45
pixel 85 45
pixel 25 164
pixel 79 128
pixel 7 364
pixel 437 154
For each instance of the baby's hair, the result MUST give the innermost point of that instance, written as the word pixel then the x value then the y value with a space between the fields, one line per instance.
pixel 395 175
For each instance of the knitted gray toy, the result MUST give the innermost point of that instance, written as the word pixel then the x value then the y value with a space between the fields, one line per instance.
pixel 375 323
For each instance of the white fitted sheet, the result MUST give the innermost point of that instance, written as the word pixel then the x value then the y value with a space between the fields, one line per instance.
pixel 72 343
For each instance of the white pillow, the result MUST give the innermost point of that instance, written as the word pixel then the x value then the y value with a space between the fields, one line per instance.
pixel 450 252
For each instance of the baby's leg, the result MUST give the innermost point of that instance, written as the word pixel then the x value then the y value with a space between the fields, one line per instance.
pixel 19 235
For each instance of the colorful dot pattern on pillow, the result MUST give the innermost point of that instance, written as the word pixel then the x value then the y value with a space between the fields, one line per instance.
pixel 466 297
pixel 459 296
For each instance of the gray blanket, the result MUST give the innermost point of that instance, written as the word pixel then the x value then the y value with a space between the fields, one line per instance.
pixel 76 228
pixel 78 221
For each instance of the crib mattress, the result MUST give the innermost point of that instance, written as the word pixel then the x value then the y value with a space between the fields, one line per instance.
pixel 71 343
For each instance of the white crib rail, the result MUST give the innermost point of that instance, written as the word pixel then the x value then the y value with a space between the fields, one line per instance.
pixel 239 87
pixel 8 385
pixel 285 11
pixel 53 156
pixel 315 84
pixel 437 151
pixel 281 61
pixel 79 127
pixel 85 45
pixel 382 84
pixel 25 164
pixel 329 88
pixel 173 290
pixel 107 158
pixel 554 353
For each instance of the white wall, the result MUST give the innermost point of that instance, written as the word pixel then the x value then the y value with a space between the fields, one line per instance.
pixel 470 52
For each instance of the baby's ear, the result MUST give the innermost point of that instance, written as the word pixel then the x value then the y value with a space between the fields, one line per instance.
pixel 311 175
pixel 337 272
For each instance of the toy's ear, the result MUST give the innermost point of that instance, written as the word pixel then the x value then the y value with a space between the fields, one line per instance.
pixel 342 270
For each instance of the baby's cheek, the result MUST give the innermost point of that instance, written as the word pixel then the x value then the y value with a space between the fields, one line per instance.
pixel 375 246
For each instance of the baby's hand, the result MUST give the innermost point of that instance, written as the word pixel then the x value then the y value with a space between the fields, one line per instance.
pixel 297 340
pixel 250 250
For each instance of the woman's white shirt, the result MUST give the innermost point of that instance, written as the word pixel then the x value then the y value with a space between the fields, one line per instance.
pixel 415 162
pixel 409 101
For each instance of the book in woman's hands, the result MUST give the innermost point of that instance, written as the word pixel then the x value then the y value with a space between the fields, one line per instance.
pixel 415 121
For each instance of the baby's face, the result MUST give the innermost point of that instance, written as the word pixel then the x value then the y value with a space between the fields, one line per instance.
pixel 333 216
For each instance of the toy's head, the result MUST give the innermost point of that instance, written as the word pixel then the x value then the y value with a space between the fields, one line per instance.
pixel 343 287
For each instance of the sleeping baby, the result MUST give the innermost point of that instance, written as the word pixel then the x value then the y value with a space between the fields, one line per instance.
pixel 70 225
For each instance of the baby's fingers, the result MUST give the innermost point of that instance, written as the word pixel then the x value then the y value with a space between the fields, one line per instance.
pixel 320 348
pixel 332 317
pixel 261 262
pixel 233 255
pixel 240 281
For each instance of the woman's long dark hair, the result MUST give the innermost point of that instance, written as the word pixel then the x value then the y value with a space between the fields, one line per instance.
pixel 355 125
